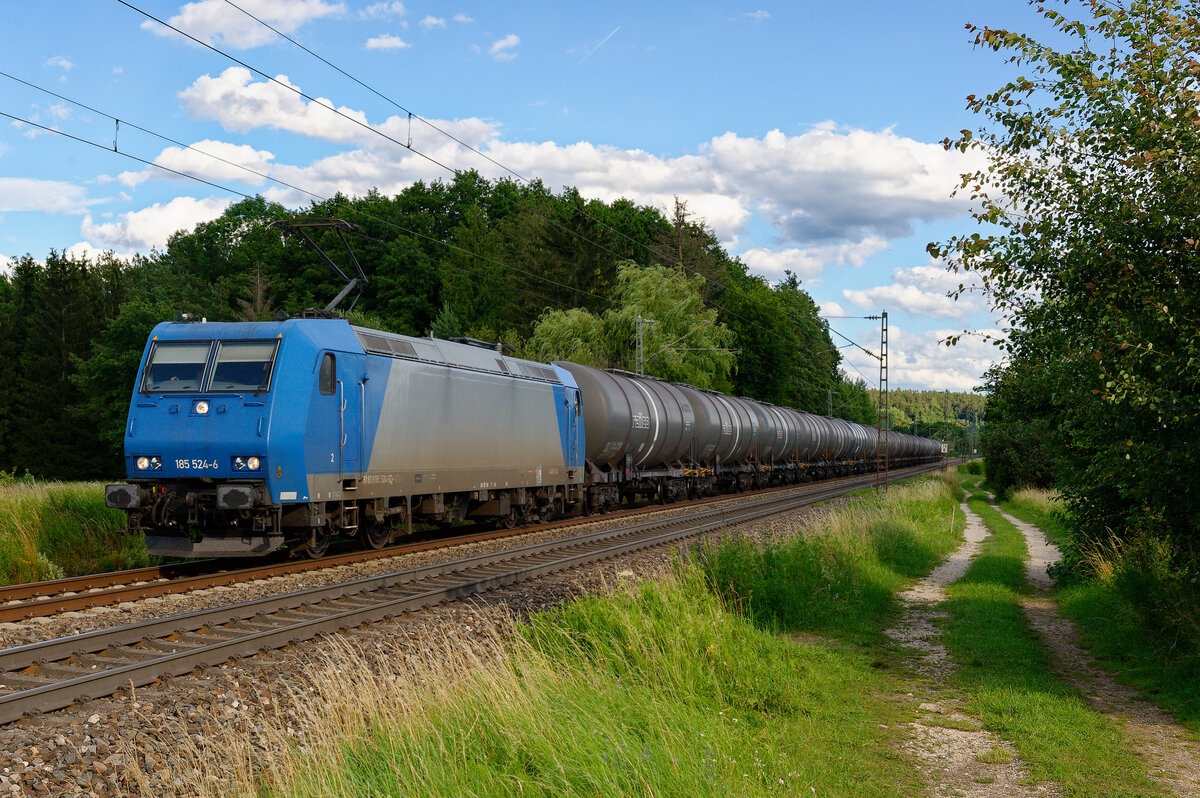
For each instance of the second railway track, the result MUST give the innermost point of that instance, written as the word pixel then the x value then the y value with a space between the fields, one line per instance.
pixel 73 594
pixel 44 676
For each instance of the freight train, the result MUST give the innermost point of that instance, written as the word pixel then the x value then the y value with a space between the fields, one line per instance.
pixel 246 438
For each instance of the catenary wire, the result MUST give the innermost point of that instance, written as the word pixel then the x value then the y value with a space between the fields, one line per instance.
pixel 244 195
pixel 462 143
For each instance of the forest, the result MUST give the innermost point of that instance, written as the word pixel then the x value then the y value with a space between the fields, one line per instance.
pixel 551 275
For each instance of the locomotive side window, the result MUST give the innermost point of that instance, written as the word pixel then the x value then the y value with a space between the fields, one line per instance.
pixel 327 379
pixel 176 366
pixel 242 366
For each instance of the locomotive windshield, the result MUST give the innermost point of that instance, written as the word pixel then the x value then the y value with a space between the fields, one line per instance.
pixel 242 366
pixel 180 366
pixel 176 366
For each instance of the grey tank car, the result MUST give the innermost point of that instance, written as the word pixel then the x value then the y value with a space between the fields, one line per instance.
pixel 647 437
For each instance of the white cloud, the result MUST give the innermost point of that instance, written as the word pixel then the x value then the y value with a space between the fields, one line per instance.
pixel 833 309
pixel 59 111
pixel 910 299
pixel 47 196
pixel 202 161
pixel 383 11
pixel 830 184
pixel 923 361
pixel 811 261
pixel 759 16
pixel 431 22
pixel 59 61
pixel 462 19
pixel 237 104
pixel 501 49
pixel 84 249
pixel 386 42
pixel 835 196
pixel 221 25
pixel 140 231
pixel 923 291
pixel 934 276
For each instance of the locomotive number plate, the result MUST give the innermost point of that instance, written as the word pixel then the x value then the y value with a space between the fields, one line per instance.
pixel 198 465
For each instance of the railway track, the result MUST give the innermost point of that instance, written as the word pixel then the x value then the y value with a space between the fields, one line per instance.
pixel 49 675
pixel 41 599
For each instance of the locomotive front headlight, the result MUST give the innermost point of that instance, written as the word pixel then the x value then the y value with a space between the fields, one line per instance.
pixel 253 463
pixel 239 463
pixel 156 462
pixel 143 463
pixel 201 408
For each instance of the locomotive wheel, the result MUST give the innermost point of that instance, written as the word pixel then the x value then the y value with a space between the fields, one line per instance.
pixel 376 536
pixel 508 521
pixel 318 543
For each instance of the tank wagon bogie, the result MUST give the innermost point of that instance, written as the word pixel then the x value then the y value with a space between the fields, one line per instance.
pixel 246 437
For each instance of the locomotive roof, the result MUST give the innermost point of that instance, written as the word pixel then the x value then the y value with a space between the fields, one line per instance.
pixel 336 333
pixel 436 350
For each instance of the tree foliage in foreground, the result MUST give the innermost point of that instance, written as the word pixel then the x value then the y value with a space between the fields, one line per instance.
pixel 1090 208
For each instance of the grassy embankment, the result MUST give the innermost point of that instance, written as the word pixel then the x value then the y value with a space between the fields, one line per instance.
pixel 1138 608
pixel 49 530
pixel 680 688
pixel 1010 684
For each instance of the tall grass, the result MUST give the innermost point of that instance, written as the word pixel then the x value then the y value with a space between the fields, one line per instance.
pixel 841 578
pixel 1136 599
pixel 1139 610
pixel 661 689
pixel 1041 508
pixel 49 530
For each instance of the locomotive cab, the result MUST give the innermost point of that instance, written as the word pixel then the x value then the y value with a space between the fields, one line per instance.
pixel 216 445
pixel 195 446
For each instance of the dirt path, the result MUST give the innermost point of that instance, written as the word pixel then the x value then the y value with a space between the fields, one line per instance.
pixel 1171 754
pixel 962 758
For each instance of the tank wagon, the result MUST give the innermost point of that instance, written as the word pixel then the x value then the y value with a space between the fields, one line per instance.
pixel 243 438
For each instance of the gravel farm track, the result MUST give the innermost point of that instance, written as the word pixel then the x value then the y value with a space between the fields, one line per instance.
pixel 92 746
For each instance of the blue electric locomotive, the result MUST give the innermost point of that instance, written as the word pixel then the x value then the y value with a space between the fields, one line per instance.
pixel 244 437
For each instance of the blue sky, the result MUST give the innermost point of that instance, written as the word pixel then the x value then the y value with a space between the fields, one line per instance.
pixel 806 134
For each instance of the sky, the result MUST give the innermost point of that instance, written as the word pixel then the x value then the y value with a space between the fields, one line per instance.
pixel 805 134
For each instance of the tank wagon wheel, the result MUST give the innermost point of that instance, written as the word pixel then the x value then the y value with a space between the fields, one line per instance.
pixel 318 542
pixel 376 536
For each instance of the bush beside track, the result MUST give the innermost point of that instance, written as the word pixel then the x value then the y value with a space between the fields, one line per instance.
pixel 1137 603
pixel 49 530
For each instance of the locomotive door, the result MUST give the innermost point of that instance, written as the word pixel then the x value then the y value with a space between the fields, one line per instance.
pixel 574 419
pixel 351 390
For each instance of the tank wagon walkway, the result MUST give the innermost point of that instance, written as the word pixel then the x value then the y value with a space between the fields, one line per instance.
pixel 962 758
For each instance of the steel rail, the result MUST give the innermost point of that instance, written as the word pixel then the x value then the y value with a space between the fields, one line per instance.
pixel 40 599
pixel 97 640
pixel 52 587
pixel 465 577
